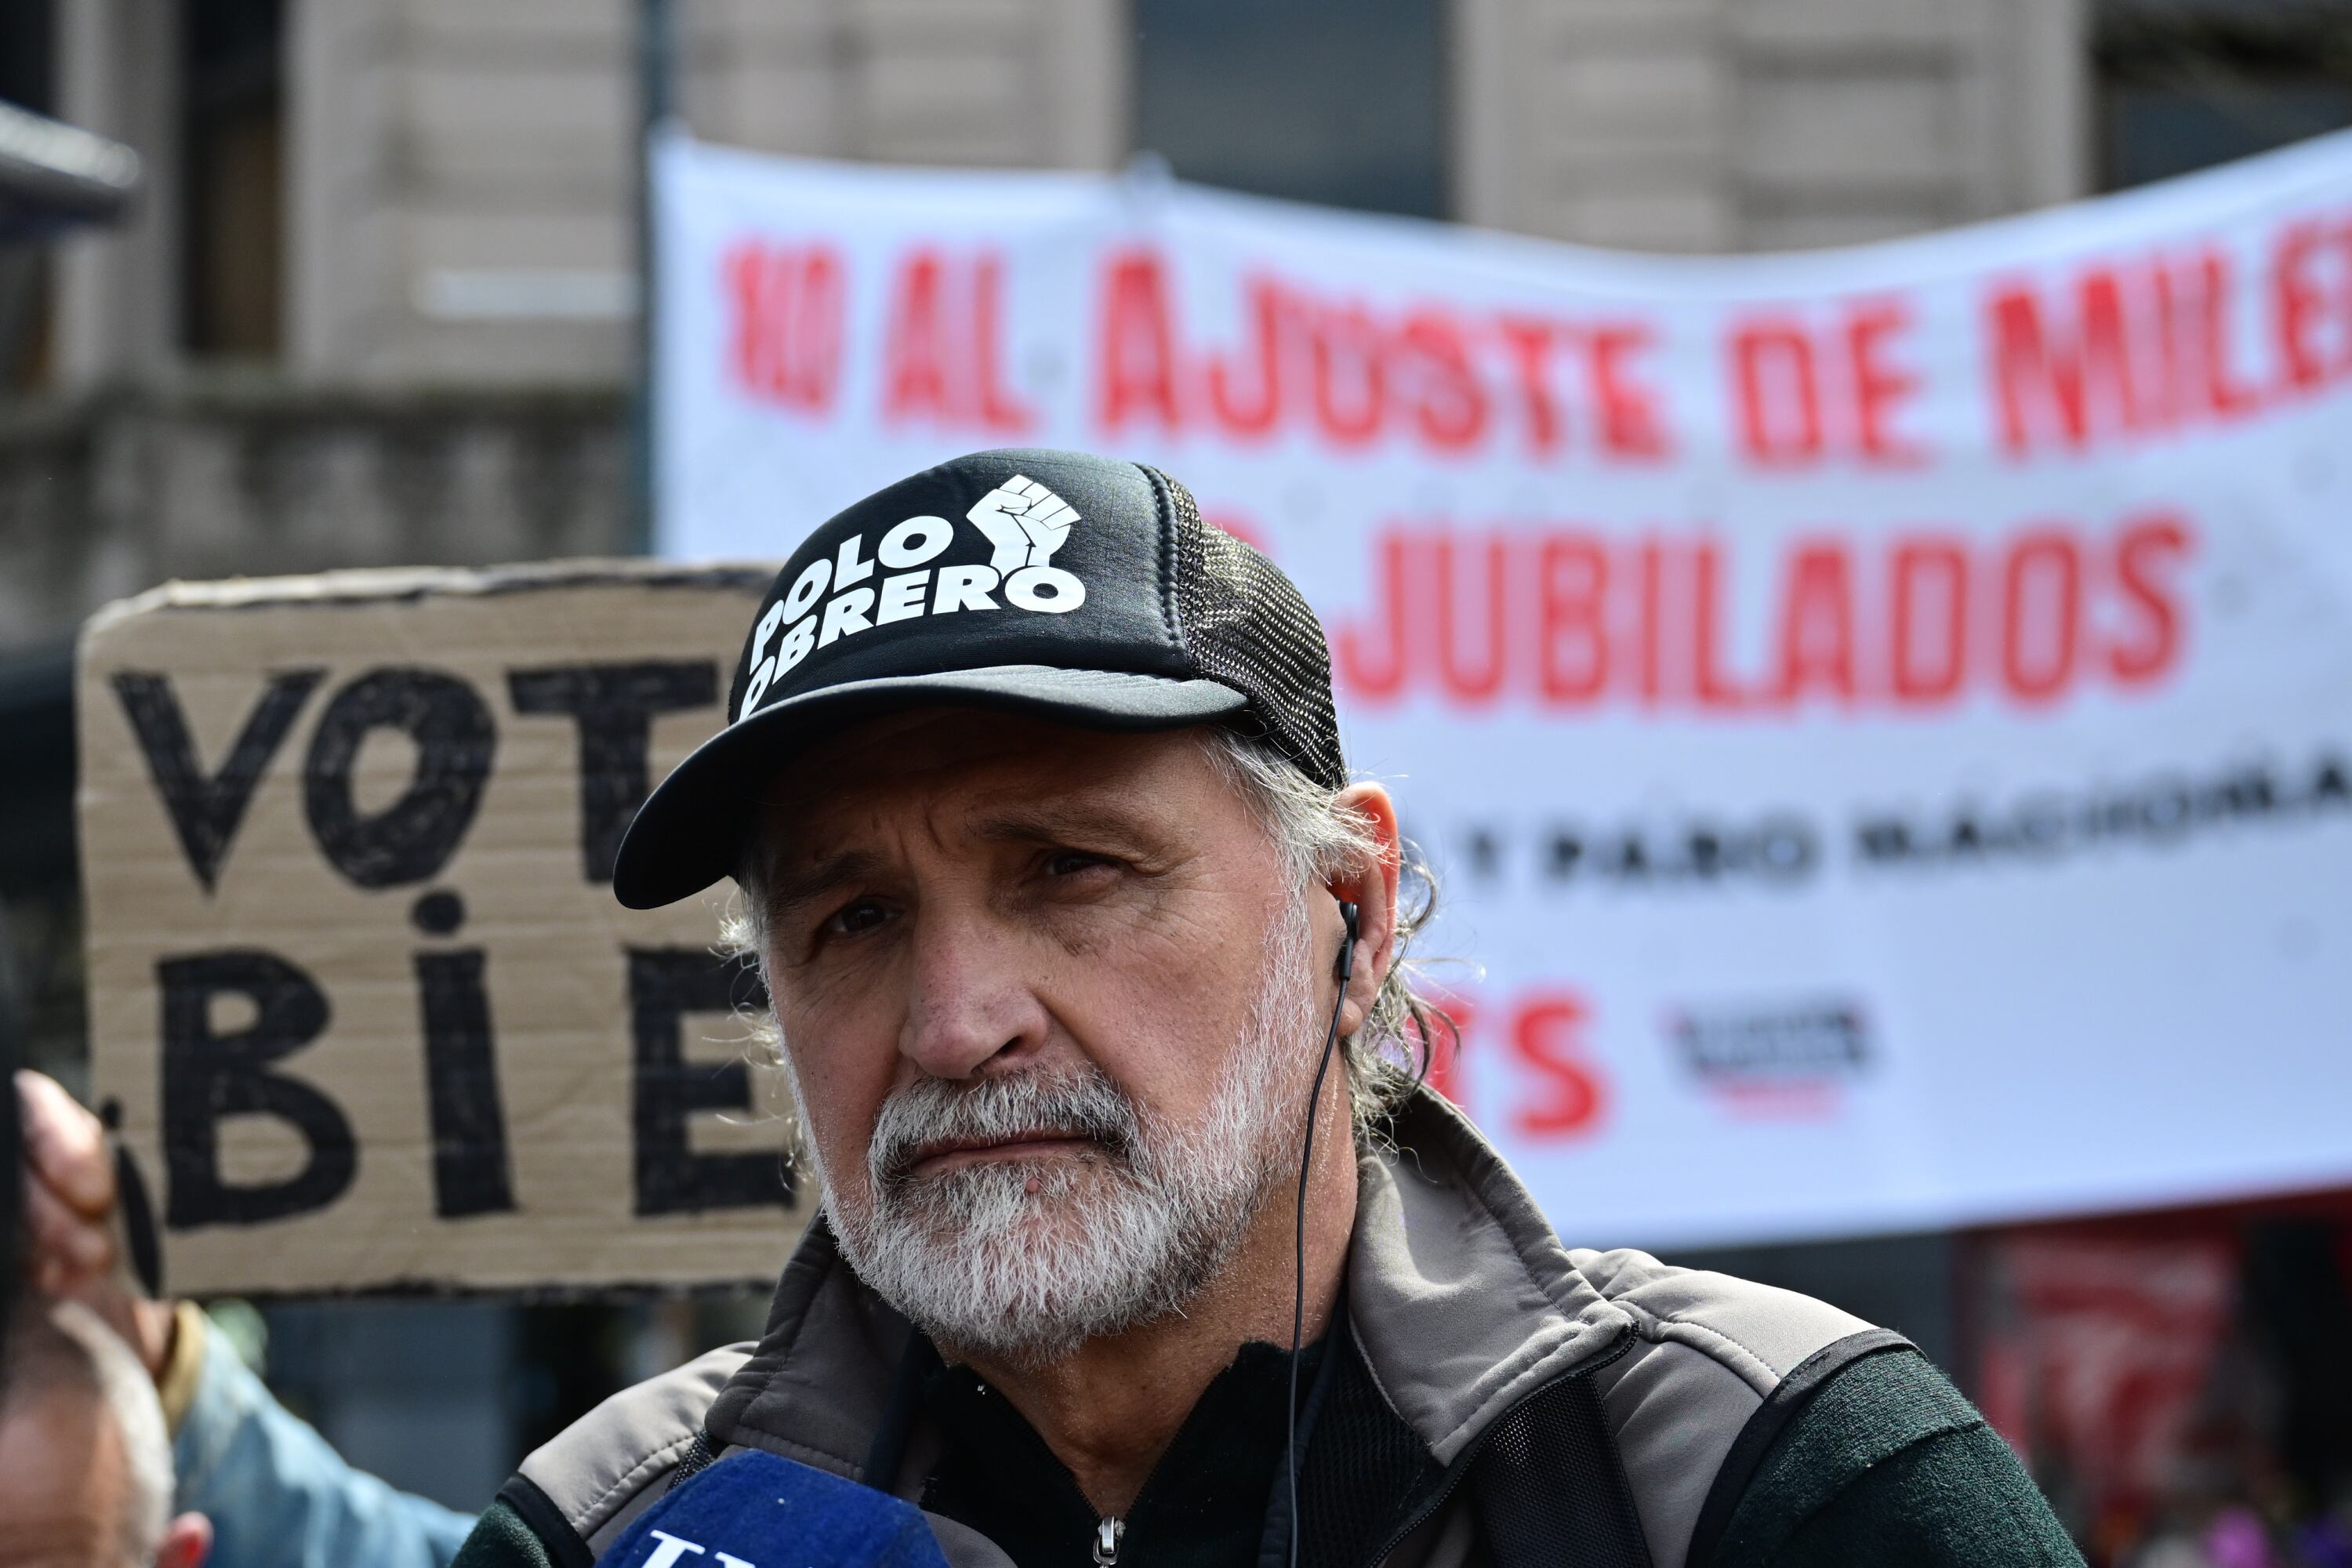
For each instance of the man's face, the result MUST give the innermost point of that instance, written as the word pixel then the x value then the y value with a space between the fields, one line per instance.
pixel 64 1483
pixel 1047 999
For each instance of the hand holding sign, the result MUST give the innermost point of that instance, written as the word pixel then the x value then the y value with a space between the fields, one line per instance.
pixel 71 1219
pixel 1024 520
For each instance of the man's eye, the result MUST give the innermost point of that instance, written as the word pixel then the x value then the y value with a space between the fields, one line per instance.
pixel 1073 862
pixel 854 920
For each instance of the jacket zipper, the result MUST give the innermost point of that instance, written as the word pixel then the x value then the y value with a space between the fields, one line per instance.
pixel 1109 1532
pixel 1463 1461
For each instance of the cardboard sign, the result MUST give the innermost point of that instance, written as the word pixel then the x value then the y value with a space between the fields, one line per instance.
pixel 360 995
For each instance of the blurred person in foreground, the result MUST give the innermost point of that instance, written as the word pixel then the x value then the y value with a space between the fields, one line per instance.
pixel 205 1436
pixel 85 1467
pixel 1035 794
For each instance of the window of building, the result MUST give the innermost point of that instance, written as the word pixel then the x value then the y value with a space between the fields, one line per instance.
pixel 233 190
pixel 2183 84
pixel 1338 101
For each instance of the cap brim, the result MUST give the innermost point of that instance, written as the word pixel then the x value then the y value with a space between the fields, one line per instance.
pixel 690 831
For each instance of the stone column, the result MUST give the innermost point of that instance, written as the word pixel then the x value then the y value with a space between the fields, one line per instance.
pixel 119 288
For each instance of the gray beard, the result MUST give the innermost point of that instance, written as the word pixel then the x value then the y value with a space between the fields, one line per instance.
pixel 1023 1262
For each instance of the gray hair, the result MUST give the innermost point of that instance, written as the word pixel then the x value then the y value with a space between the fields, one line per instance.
pixel 67 1350
pixel 1318 840
pixel 1321 839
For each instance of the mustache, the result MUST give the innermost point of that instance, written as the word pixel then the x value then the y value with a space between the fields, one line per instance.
pixel 934 1111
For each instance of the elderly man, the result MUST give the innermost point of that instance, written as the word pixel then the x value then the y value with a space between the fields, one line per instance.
pixel 85 1465
pixel 1035 792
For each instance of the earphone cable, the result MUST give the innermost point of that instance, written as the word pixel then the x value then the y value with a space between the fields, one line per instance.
pixel 1306 1167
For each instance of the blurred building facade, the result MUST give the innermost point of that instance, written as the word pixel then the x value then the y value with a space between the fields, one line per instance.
pixel 395 191
pixel 376 303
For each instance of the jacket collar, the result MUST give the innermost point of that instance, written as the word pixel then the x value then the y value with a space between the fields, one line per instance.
pixel 1460 1295
pixel 1461 1300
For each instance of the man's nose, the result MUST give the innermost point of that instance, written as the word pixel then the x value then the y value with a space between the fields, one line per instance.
pixel 971 1010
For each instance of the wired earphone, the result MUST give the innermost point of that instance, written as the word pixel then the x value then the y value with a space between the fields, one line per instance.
pixel 1344 970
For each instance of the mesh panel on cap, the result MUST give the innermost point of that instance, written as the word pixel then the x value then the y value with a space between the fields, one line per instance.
pixel 1247 626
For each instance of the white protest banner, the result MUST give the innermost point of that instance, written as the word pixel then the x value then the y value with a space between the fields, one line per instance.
pixel 1884 714
pixel 360 999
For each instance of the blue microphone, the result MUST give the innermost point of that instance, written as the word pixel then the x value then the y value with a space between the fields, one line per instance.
pixel 753 1509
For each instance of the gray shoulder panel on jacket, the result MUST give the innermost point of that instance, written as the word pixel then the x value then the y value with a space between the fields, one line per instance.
pixel 1709 1350
pixel 1460 1295
pixel 1760 1331
pixel 600 1464
pixel 1674 1414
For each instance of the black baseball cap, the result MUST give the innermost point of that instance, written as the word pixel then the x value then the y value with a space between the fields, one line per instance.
pixel 1081 588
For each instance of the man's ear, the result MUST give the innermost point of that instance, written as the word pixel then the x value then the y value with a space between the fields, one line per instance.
pixel 1373 890
pixel 187 1541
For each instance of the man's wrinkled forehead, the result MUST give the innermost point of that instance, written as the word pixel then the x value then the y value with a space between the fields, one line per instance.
pixel 979 773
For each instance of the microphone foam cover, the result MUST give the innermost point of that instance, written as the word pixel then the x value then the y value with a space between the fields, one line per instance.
pixel 755 1510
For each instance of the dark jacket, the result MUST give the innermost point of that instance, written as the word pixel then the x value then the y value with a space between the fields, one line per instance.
pixel 1492 1396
